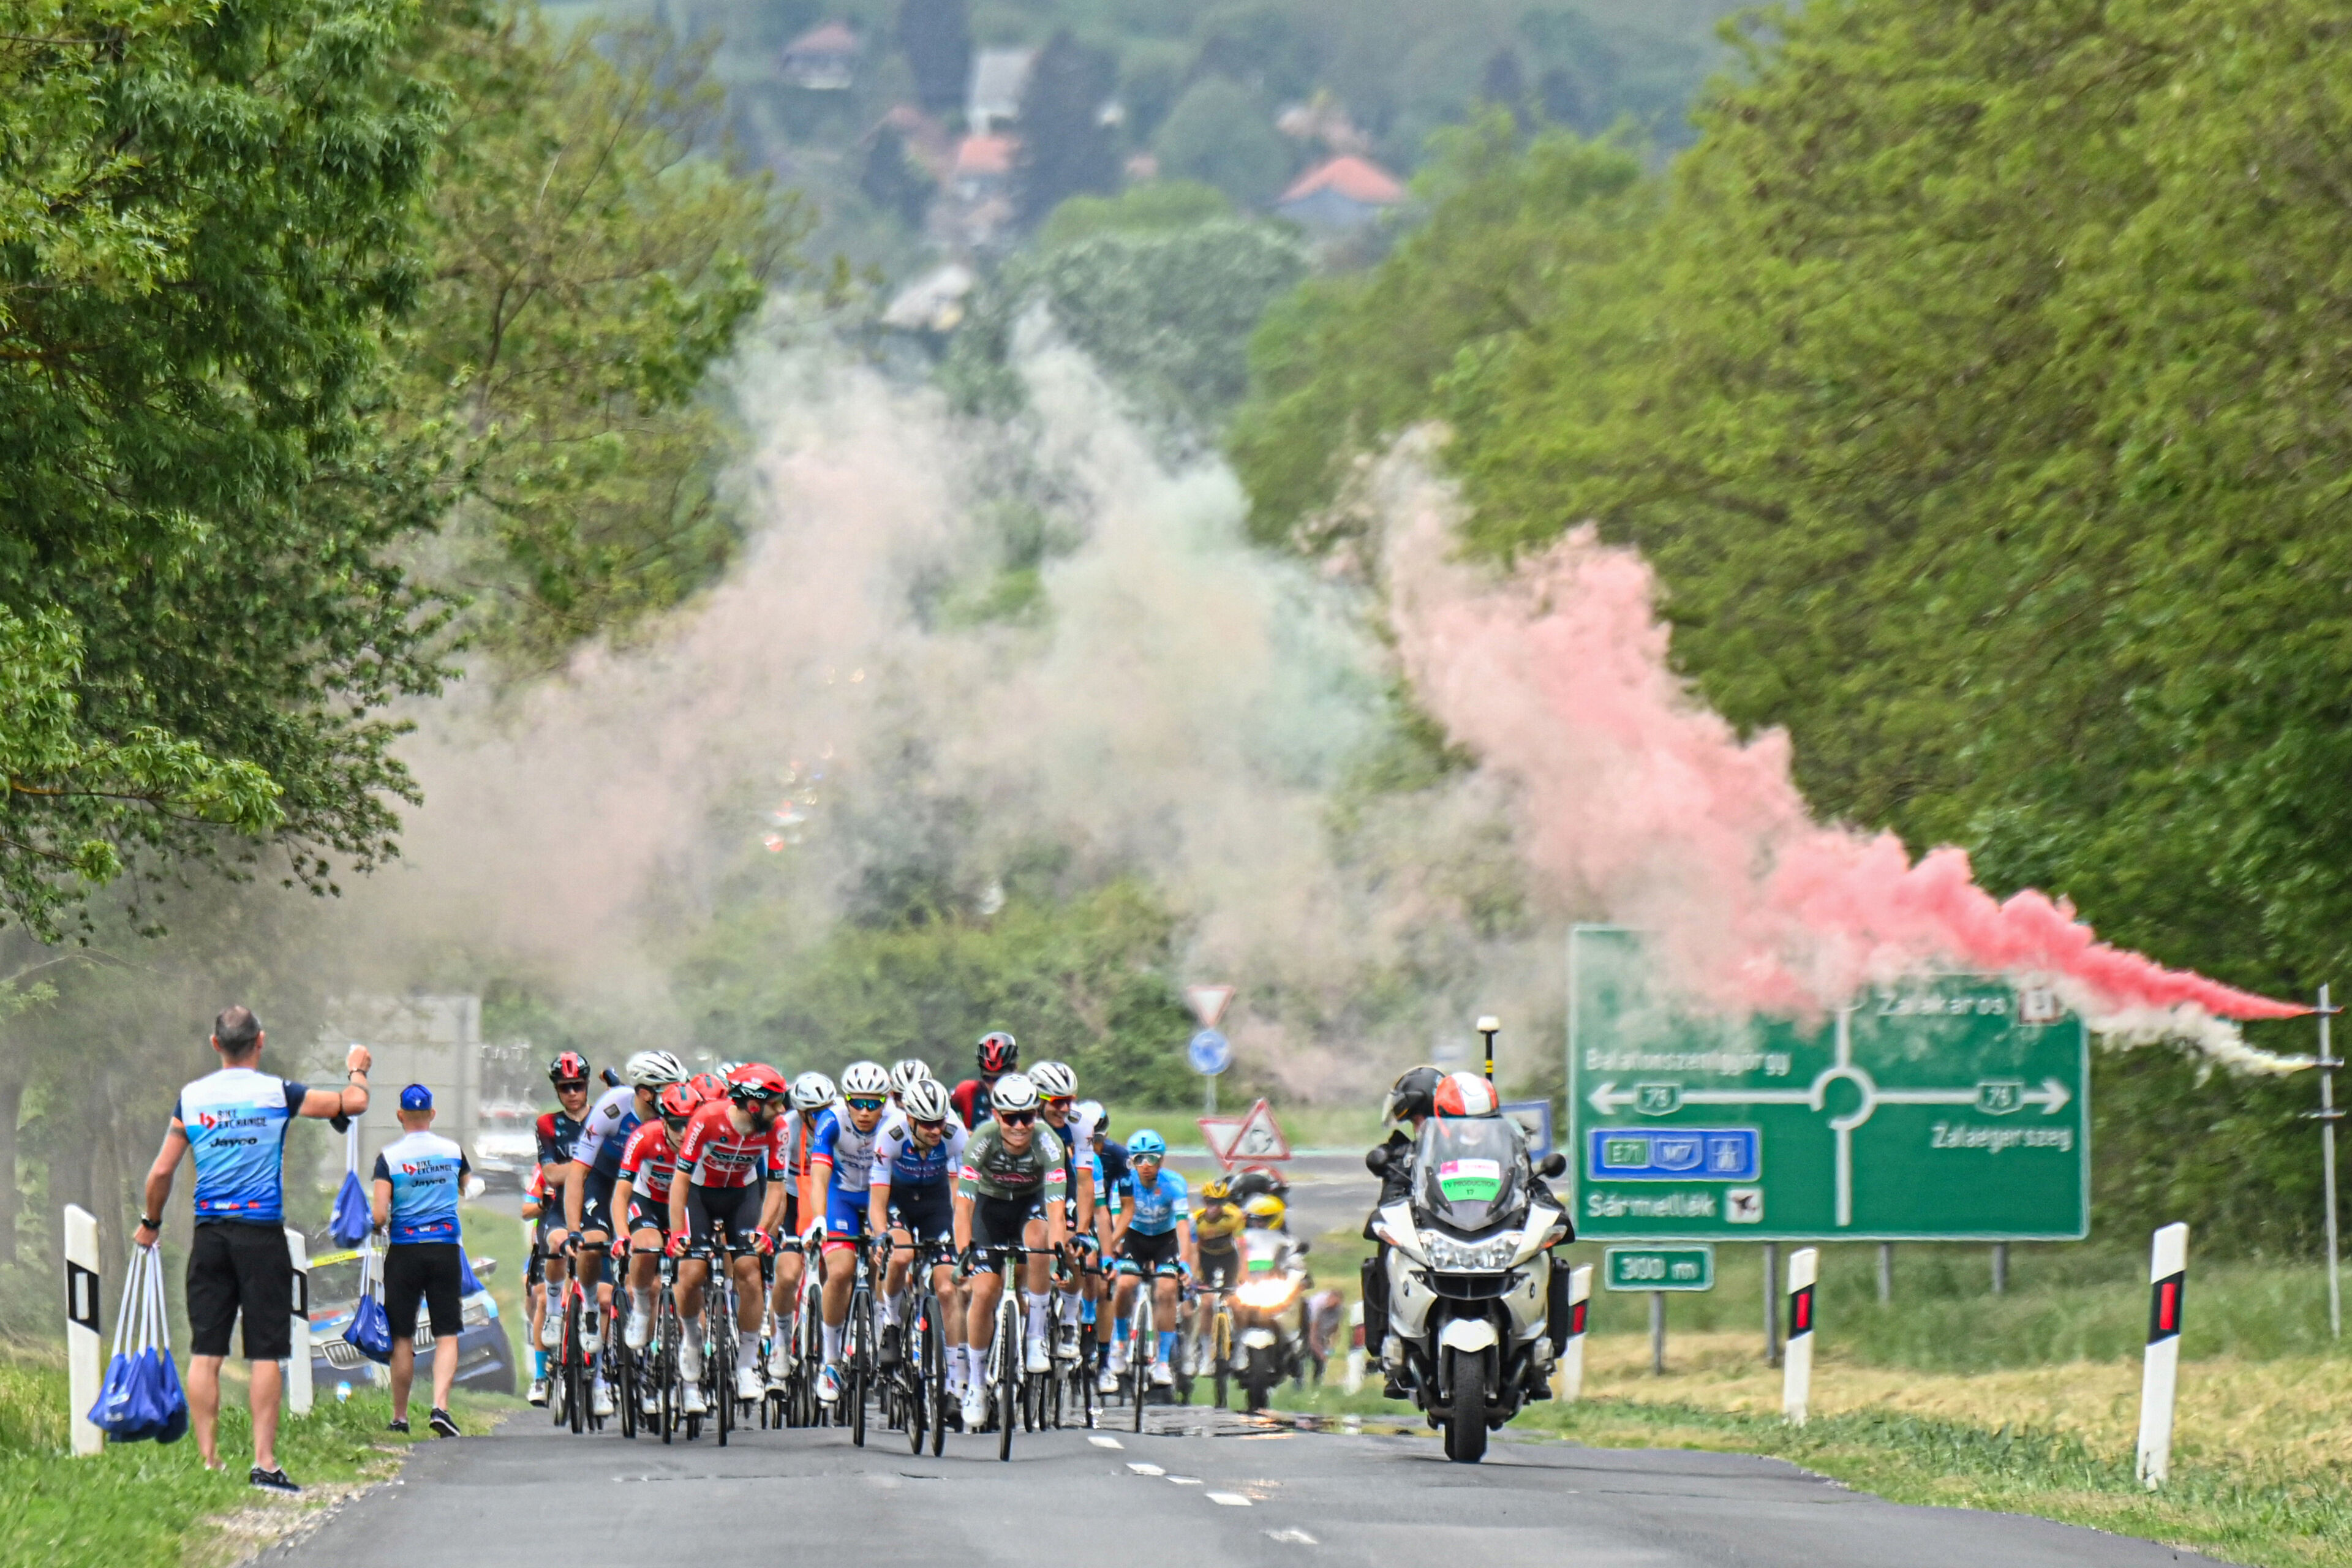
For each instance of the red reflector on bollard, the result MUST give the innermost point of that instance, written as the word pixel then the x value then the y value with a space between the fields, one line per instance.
pixel 1800 1311
pixel 2164 1307
pixel 1576 1317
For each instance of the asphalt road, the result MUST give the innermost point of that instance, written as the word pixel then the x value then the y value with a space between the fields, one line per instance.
pixel 1263 1499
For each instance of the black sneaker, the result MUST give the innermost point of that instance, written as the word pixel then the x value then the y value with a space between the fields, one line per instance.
pixel 441 1424
pixel 890 1337
pixel 399 1426
pixel 277 1481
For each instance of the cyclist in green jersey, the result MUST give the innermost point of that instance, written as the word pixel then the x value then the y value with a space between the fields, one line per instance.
pixel 1012 1189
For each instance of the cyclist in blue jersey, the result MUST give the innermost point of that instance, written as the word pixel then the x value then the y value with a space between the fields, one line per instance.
pixel 912 1201
pixel 588 1188
pixel 1154 1238
pixel 840 1166
pixel 419 1177
pixel 234 1123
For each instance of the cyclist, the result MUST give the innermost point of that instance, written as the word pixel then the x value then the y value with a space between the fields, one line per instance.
pixel 641 1199
pixel 812 1092
pixel 1058 1099
pixel 558 1130
pixel 588 1188
pixel 1154 1238
pixel 727 1204
pixel 998 1053
pixel 534 1204
pixel 912 1203
pixel 1110 1159
pixel 1010 1191
pixel 840 1166
pixel 1216 1225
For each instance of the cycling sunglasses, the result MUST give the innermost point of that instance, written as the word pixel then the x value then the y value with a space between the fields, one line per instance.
pixel 1016 1118
pixel 1063 1103
pixel 930 1126
pixel 863 1103
pixel 676 1124
pixel 578 1085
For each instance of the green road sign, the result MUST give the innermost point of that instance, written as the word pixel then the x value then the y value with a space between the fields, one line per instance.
pixel 1944 1109
pixel 1659 1267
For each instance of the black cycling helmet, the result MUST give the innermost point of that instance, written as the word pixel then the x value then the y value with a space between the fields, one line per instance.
pixel 1414 1093
pixel 999 1053
pixel 569 1066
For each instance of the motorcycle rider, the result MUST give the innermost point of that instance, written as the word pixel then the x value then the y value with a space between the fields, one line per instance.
pixel 1412 1099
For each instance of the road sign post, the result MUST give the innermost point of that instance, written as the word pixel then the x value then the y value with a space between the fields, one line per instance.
pixel 1941 1109
pixel 84 1365
pixel 2327 1116
pixel 299 1394
pixel 1657 1270
pixel 2168 1276
pixel 1796 1361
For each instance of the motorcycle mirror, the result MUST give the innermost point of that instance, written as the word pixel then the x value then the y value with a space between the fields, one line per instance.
pixel 1553 1164
pixel 1376 1160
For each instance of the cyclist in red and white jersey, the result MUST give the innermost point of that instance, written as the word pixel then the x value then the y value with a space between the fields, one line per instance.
pixel 641 1204
pixel 722 1200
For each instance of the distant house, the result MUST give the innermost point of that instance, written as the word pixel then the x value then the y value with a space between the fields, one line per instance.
pixel 1343 194
pixel 823 59
pixel 999 77
pixel 926 140
pixel 983 167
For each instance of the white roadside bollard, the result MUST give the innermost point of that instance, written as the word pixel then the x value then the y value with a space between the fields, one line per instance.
pixel 85 1356
pixel 1571 1372
pixel 299 1394
pixel 1355 1380
pixel 1797 1354
pixel 2160 1377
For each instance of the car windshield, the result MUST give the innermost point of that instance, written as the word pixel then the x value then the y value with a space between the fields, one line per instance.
pixel 1471 1171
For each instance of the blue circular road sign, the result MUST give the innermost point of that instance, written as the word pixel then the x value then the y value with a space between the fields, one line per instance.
pixel 1210 1052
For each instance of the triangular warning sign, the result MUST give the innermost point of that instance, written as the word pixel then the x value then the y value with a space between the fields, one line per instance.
pixel 1208 1003
pixel 1249 1140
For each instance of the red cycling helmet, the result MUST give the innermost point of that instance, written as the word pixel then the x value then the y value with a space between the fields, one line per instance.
pixel 757 1083
pixel 1466 1094
pixel 679 1100
pixel 569 1066
pixel 999 1053
pixel 708 1086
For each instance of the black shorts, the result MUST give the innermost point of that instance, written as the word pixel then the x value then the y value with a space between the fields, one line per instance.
pixel 649 1213
pixel 1150 1253
pixel 426 1272
pixel 790 1228
pixel 233 1266
pixel 596 1203
pixel 926 1213
pixel 1220 1269
pixel 999 1221
pixel 716 1216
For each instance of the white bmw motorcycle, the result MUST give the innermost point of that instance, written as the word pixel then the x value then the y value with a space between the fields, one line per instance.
pixel 1470 1276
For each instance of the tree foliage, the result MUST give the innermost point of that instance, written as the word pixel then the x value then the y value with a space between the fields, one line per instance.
pixel 1066 147
pixel 204 220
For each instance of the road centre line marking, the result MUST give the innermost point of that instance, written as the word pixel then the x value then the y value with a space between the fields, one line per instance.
pixel 1229 1499
pixel 1107 1442
pixel 1295 1537
pixel 1140 1469
pixel 1186 1480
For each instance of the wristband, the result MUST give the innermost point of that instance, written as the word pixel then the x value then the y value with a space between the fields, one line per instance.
pixel 154 1225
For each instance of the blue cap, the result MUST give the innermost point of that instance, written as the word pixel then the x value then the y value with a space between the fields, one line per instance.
pixel 416 1097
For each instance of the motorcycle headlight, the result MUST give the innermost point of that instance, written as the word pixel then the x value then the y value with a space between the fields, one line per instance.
pixel 1265 1295
pixel 1452 1257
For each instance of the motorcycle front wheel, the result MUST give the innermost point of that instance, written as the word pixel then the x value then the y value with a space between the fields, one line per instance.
pixel 1465 1409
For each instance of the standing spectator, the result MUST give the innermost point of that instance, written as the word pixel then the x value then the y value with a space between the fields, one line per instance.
pixel 418 1180
pixel 235 1122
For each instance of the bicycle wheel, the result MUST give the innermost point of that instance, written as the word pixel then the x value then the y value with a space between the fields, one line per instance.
pixel 1005 1362
pixel 625 1361
pixel 665 1331
pixel 1221 1345
pixel 576 1382
pixel 1139 1359
pixel 720 1359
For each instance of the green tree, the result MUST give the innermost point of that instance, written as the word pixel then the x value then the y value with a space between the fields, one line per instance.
pixel 1067 149
pixel 204 231
pixel 1222 134
pixel 937 37
pixel 587 267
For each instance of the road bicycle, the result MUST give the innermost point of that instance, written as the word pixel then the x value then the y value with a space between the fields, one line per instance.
pixel 718 1343
pixel 1005 1370
pixel 670 1334
pixel 923 1356
pixel 858 1358
pixel 1218 1348
pixel 574 1369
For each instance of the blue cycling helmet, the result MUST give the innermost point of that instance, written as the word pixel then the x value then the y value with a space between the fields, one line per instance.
pixel 1147 1145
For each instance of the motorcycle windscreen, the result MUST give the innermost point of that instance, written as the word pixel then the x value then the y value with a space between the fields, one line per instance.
pixel 1471 1171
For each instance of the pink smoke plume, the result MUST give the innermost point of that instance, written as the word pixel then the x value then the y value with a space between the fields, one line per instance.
pixel 1638 798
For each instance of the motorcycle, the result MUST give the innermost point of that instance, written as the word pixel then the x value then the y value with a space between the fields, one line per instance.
pixel 1471 1294
pixel 1274 1275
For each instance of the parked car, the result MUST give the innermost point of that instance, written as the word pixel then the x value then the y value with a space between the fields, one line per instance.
pixel 484 1353
pixel 505 1146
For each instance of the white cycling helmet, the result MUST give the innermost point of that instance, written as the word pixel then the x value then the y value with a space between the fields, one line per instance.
pixel 811 1091
pixel 863 1078
pixel 1092 1113
pixel 907 1071
pixel 1055 1080
pixel 1013 1091
pixel 926 1101
pixel 654 1069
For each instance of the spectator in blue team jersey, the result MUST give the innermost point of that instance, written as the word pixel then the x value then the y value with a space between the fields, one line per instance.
pixel 418 1180
pixel 234 1121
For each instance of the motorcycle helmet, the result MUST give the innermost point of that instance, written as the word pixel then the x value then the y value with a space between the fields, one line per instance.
pixel 811 1091
pixel 1467 1094
pixel 926 1101
pixel 568 1067
pixel 654 1069
pixel 1413 1093
pixel 1055 1080
pixel 1147 1145
pixel 1013 1093
pixel 999 1053
pixel 1265 1211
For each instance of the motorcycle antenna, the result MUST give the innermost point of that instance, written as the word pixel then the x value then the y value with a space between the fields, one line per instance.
pixel 1490 1026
